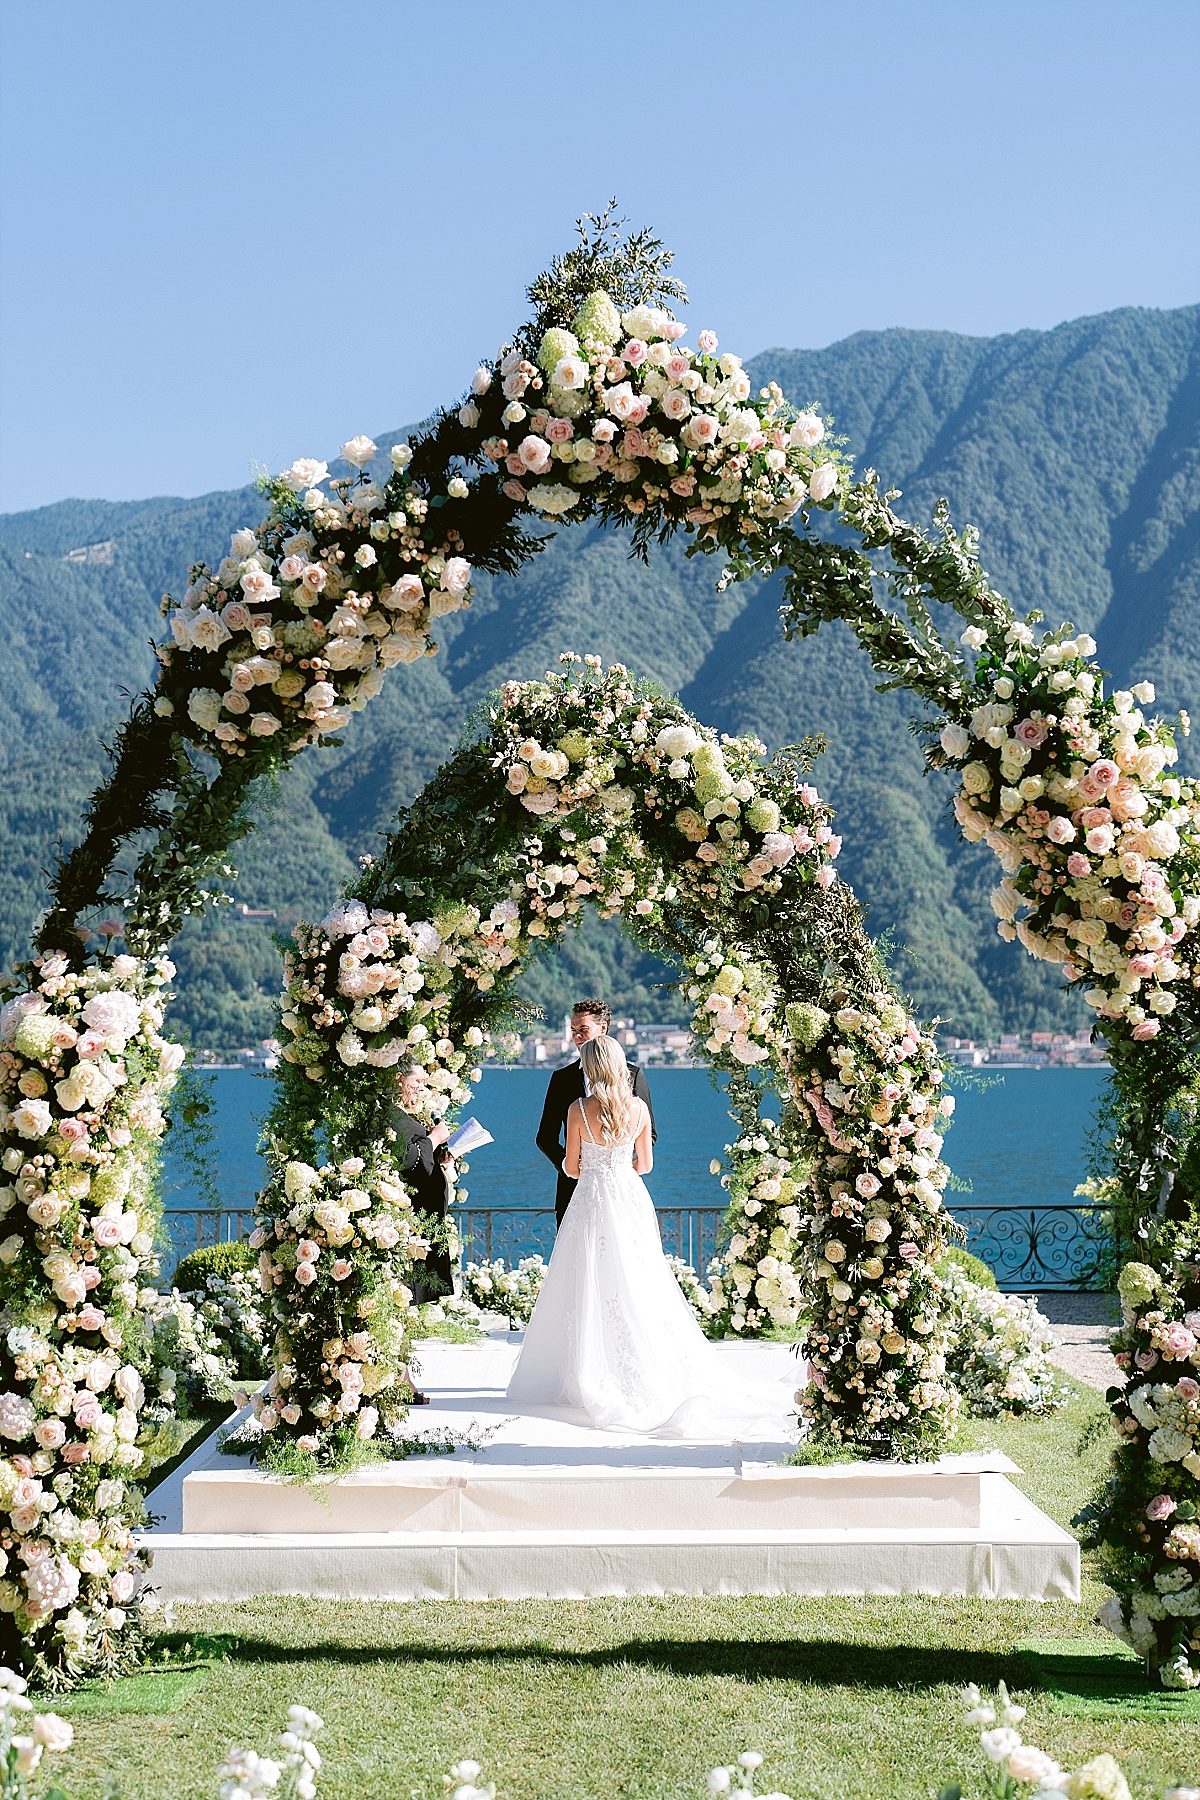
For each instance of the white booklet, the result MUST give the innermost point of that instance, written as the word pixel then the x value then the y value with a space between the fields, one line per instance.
pixel 469 1136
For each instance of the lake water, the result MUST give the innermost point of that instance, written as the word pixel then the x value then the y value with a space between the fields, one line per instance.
pixel 1018 1138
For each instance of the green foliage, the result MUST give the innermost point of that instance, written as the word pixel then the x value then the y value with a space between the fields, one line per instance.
pixel 972 1266
pixel 213 1259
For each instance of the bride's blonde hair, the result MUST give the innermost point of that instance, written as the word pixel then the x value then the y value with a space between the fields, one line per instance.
pixel 607 1074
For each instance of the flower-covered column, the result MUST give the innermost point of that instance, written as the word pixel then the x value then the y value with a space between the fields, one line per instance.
pixel 83 1074
pixel 871 1083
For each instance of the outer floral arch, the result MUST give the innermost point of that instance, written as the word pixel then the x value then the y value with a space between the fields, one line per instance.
pixel 296 629
pixel 587 789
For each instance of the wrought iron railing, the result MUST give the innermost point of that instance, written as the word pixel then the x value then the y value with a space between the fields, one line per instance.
pixel 194 1227
pixel 1034 1249
pixel 511 1233
pixel 1044 1249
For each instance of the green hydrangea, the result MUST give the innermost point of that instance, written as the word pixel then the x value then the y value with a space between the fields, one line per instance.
pixel 597 319
pixel 707 759
pixel 763 815
pixel 729 981
pixel 556 344
pixel 713 787
pixel 111 1183
pixel 35 1035
pixel 1136 1283
pixel 807 1023
pixel 574 746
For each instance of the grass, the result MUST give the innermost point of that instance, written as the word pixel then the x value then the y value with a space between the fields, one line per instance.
pixel 639 1697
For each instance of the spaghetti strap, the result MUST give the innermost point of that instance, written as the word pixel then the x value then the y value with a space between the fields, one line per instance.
pixel 584 1117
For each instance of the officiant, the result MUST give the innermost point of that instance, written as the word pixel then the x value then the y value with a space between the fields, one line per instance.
pixel 589 1019
pixel 428 1168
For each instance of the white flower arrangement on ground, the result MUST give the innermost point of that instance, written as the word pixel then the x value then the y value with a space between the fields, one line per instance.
pixel 25 1736
pixel 207 1347
pixel 1015 1770
pixel 84 1071
pixel 495 1287
pixel 999 1349
pixel 1100 843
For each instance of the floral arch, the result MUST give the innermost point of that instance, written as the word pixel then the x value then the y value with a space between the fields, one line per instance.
pixel 590 789
pixel 596 409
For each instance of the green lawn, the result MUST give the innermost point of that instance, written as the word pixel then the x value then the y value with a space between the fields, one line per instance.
pixel 853 1699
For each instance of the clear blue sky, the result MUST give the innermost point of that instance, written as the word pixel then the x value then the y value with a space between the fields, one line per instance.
pixel 240 231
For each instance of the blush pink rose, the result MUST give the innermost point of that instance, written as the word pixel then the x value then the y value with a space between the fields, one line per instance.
pixel 107 1233
pixel 1161 1507
pixel 1060 830
pixel 1105 772
pixel 340 1269
pixel 1187 1388
pixel 1179 1341
pixel 1078 865
pixel 560 431
pixel 75 1454
pixel 1146 1029
pixel 1146 1359
pixel 534 453
pixel 305 1274
pixel 1031 731
pixel 89 1318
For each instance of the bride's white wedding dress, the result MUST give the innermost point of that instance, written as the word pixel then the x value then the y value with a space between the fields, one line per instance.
pixel 612 1337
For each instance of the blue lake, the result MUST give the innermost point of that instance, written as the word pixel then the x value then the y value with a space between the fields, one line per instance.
pixel 1018 1138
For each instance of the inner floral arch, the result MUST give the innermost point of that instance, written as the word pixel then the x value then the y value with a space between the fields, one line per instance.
pixel 591 789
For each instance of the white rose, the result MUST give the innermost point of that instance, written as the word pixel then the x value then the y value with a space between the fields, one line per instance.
pixel 358 450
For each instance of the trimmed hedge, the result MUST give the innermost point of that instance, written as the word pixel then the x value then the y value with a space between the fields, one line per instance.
pixel 970 1265
pixel 213 1259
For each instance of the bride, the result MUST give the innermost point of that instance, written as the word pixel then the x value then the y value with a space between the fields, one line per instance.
pixel 611 1336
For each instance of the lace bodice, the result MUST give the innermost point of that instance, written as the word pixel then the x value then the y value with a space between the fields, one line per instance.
pixel 605 1156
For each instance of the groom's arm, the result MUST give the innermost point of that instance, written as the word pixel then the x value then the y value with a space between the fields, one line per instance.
pixel 549 1132
pixel 641 1088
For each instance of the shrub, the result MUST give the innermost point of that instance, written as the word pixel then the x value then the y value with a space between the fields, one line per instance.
pixel 214 1259
pixel 973 1267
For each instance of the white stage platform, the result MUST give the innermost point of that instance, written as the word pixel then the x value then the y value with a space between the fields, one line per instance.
pixel 544 1507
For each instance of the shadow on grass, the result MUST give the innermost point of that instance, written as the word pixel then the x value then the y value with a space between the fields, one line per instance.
pixel 808 1663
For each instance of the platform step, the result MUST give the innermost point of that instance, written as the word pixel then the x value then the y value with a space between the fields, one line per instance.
pixel 1025 1556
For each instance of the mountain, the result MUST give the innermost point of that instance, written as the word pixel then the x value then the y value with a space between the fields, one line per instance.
pixel 1076 451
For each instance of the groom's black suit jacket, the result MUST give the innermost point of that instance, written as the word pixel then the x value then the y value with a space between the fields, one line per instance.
pixel 566 1086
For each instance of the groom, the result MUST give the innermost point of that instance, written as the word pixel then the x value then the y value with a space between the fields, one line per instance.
pixel 589 1019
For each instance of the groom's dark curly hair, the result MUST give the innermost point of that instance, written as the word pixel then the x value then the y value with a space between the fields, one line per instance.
pixel 599 1009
